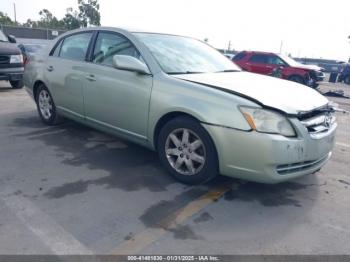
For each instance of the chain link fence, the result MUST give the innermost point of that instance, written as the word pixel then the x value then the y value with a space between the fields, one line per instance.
pixel 31 33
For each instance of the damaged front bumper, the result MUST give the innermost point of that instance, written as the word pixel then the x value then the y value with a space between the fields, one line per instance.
pixel 270 158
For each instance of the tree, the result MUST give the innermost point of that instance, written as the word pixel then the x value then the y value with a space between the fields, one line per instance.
pixel 71 19
pixel 5 19
pixel 48 20
pixel 89 13
pixel 30 23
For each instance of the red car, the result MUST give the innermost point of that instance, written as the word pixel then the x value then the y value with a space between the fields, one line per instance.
pixel 280 66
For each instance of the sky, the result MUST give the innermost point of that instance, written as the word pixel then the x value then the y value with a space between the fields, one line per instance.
pixel 306 28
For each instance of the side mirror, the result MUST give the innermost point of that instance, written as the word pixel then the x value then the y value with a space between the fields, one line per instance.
pixel 12 39
pixel 129 63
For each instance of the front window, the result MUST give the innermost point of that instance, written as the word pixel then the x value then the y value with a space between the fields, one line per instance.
pixel 109 45
pixel 3 37
pixel 180 55
pixel 275 60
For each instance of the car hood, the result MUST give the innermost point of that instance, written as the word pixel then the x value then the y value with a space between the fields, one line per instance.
pixel 287 96
pixel 309 67
pixel 9 49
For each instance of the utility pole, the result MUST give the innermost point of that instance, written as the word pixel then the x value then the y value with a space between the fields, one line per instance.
pixel 14 11
pixel 349 57
pixel 281 46
pixel 229 46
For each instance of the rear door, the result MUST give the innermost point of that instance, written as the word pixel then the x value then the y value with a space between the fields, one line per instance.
pixel 65 73
pixel 116 99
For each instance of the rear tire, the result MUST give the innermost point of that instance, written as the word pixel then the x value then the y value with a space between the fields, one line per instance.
pixel 187 151
pixel 17 84
pixel 46 107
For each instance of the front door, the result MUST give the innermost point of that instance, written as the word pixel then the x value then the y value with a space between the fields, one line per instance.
pixel 115 98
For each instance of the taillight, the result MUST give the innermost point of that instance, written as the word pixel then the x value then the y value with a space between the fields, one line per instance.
pixel 25 61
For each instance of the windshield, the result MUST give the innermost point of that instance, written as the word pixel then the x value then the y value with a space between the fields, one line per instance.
pixel 290 61
pixel 181 55
pixel 3 37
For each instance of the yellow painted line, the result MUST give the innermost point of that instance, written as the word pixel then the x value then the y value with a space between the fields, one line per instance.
pixel 342 144
pixel 143 239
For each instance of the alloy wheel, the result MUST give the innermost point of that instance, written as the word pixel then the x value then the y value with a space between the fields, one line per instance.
pixel 185 151
pixel 45 104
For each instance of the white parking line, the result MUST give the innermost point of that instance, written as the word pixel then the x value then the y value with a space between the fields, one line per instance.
pixel 43 226
pixel 342 144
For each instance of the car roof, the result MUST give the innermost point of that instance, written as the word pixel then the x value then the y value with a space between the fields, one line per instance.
pixel 127 29
pixel 260 52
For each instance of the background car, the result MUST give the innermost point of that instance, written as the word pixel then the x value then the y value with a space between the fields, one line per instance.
pixel 344 75
pixel 329 66
pixel 11 61
pixel 267 63
pixel 29 50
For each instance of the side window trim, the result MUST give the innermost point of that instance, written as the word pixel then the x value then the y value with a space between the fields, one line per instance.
pixel 57 45
pixel 61 44
pixel 91 48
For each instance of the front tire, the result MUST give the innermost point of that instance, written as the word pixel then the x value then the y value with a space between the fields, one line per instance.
pixel 17 84
pixel 297 79
pixel 187 151
pixel 46 107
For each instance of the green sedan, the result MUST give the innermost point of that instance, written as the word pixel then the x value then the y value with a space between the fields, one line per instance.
pixel 177 95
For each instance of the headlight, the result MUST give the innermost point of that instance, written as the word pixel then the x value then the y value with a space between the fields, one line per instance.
pixel 16 59
pixel 267 121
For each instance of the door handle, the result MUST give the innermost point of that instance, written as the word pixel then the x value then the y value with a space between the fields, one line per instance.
pixel 90 77
pixel 50 68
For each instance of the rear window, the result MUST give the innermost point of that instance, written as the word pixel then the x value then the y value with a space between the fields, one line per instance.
pixel 257 58
pixel 74 47
pixel 239 56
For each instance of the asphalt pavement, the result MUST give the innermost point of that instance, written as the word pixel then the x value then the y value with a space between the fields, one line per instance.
pixel 70 189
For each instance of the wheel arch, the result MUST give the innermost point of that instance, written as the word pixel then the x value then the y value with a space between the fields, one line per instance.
pixel 165 119
pixel 36 86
